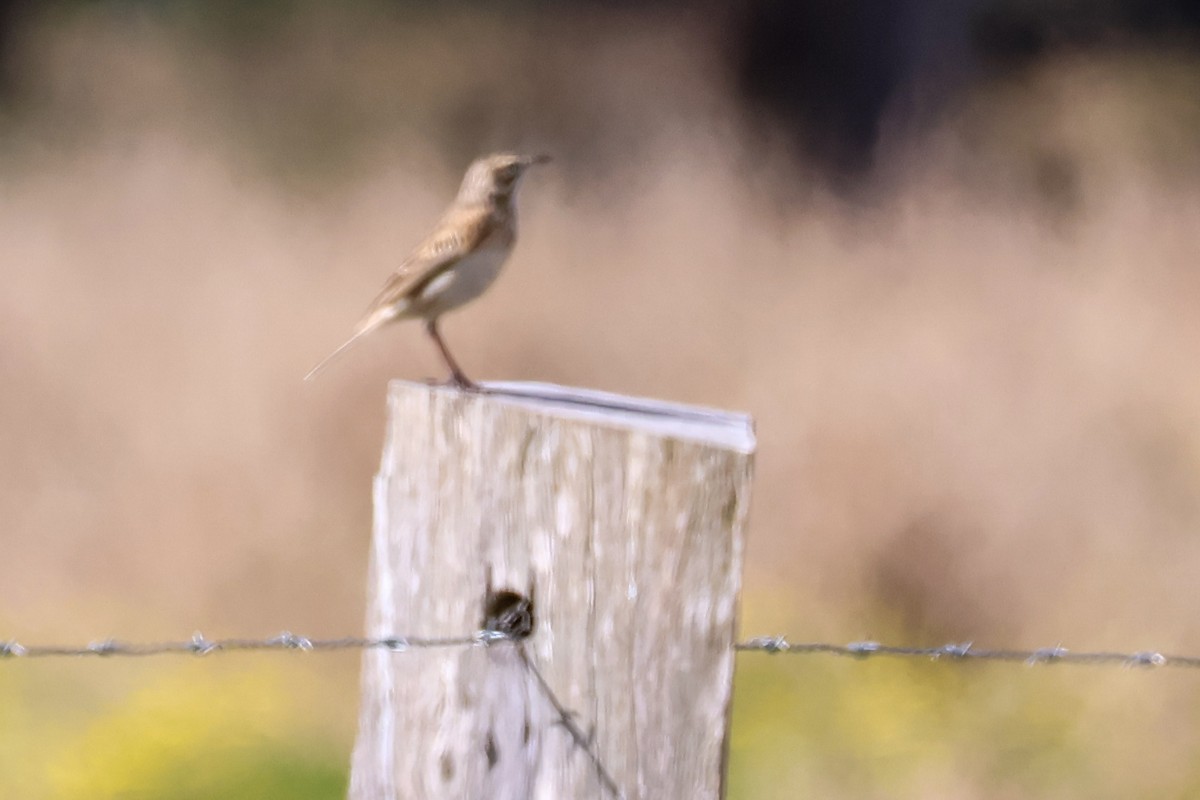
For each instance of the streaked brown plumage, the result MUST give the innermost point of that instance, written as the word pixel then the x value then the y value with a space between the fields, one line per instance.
pixel 457 261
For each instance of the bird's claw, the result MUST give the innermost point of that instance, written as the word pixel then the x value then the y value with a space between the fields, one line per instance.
pixel 460 382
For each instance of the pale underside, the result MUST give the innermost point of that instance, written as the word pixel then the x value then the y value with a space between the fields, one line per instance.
pixel 454 265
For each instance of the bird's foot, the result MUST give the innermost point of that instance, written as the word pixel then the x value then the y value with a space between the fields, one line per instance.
pixel 459 381
pixel 466 384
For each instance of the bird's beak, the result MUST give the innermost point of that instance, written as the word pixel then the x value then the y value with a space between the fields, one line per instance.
pixel 538 159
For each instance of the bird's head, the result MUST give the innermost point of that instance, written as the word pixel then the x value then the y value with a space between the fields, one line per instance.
pixel 494 178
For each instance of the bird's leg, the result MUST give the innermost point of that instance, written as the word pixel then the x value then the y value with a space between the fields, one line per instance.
pixel 457 376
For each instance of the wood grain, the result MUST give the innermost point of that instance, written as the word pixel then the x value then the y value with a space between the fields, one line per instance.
pixel 624 520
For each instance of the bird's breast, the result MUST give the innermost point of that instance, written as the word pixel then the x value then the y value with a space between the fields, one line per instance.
pixel 468 278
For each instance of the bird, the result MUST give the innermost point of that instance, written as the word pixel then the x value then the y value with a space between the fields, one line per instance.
pixel 456 262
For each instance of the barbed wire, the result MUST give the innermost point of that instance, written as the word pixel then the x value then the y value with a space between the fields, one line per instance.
pixel 566 718
pixel 200 645
pixel 772 645
pixel 967 651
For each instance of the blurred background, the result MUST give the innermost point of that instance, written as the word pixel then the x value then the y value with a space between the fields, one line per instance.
pixel 947 252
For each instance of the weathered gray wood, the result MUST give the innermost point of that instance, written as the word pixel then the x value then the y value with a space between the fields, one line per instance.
pixel 625 521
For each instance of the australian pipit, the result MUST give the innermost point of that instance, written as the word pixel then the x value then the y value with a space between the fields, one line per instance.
pixel 457 261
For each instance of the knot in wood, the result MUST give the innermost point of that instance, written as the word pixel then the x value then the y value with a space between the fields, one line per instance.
pixel 509 613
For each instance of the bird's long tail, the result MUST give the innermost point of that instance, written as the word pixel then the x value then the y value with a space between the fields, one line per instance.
pixel 377 317
pixel 312 373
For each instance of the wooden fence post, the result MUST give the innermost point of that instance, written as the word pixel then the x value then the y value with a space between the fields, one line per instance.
pixel 623 521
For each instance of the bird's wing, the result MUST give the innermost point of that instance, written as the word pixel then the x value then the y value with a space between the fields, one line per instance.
pixel 458 233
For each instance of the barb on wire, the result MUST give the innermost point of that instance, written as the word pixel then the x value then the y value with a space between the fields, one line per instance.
pixel 584 741
pixel 199 645
pixel 966 651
